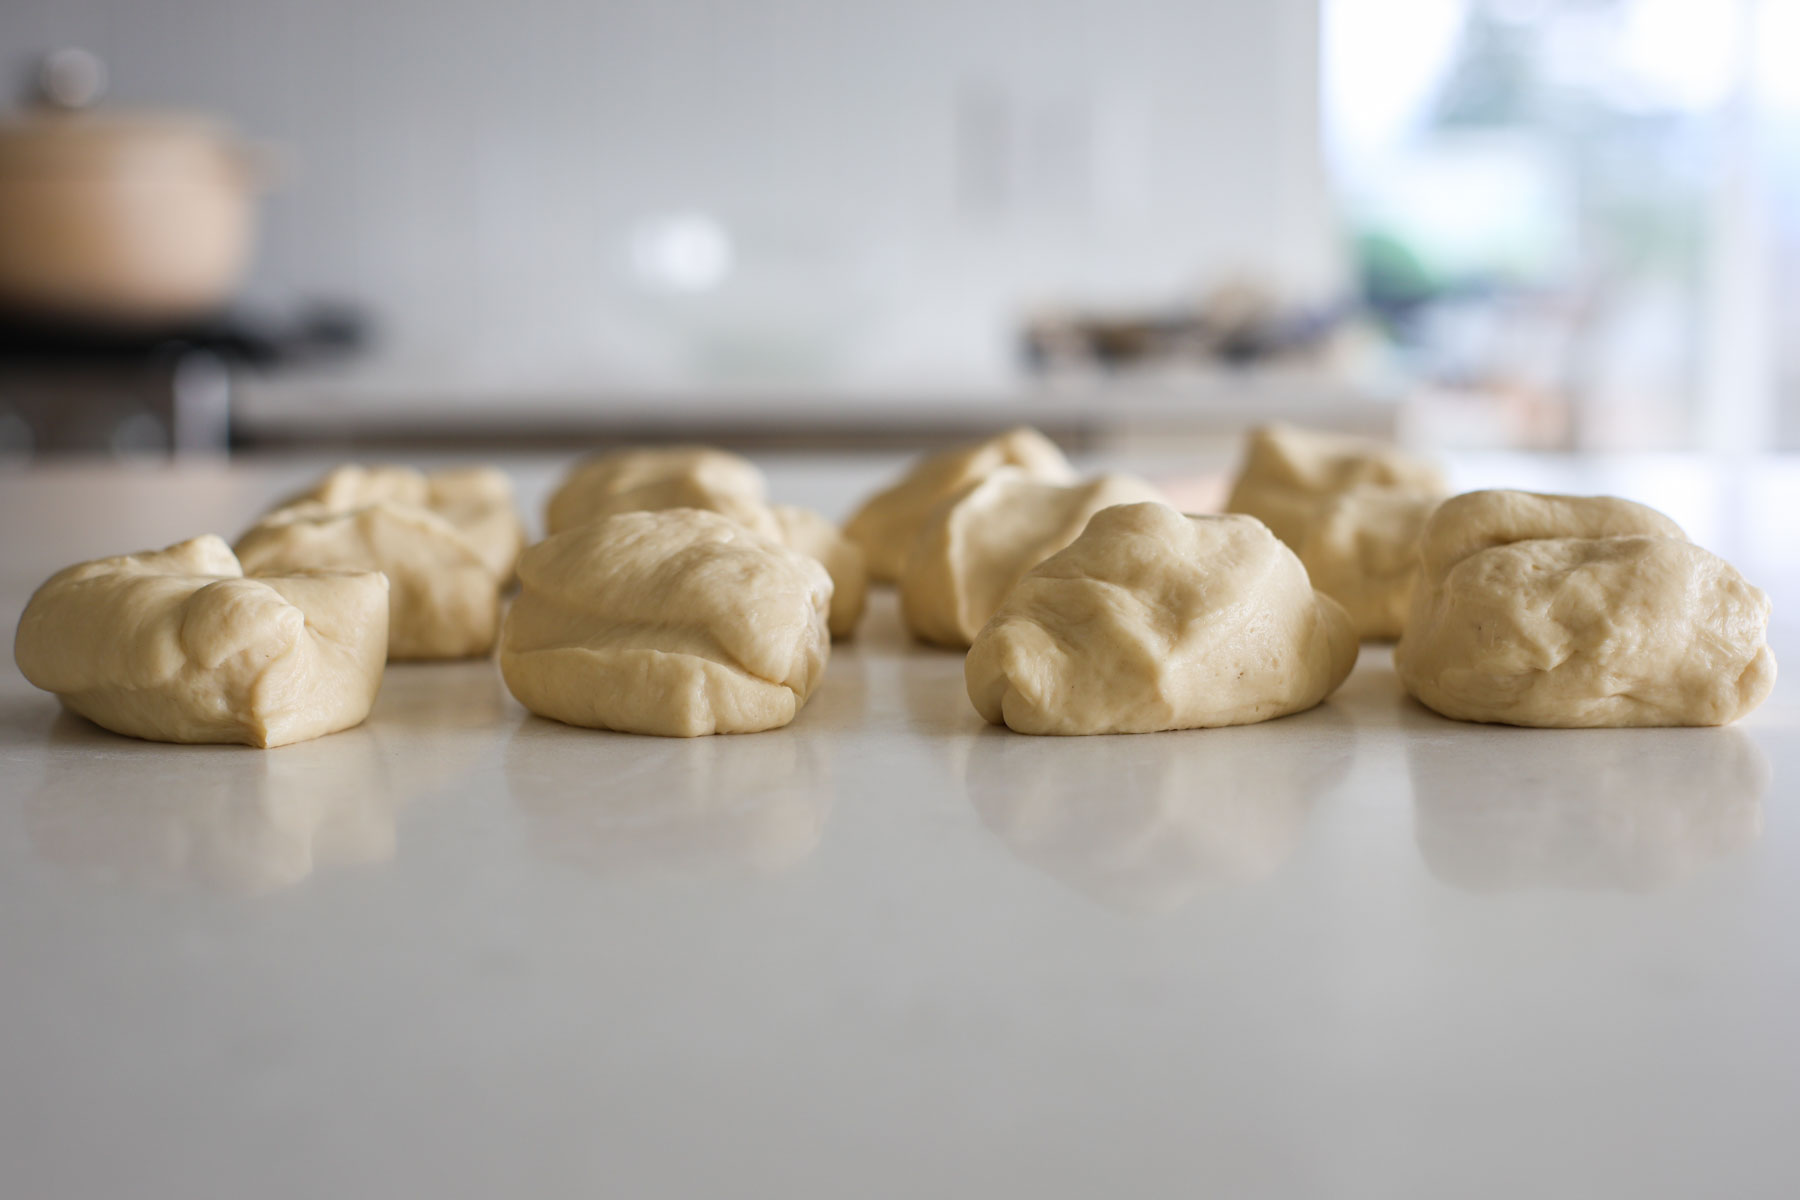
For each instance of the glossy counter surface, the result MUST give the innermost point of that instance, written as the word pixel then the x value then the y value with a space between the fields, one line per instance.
pixel 889 951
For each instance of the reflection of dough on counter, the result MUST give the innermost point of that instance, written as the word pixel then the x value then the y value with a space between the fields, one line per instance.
pixel 1628 810
pixel 735 803
pixel 1579 611
pixel 888 523
pixel 176 645
pixel 1152 620
pixel 1143 825
pixel 974 547
pixel 678 623
pixel 218 819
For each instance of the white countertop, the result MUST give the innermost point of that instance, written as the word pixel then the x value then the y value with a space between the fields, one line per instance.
pixel 889 951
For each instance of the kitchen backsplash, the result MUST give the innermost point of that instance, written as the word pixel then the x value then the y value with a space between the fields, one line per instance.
pixel 548 191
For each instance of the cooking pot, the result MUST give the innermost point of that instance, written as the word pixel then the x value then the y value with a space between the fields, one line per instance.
pixel 119 216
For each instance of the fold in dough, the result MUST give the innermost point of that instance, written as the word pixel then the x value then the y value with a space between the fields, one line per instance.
pixel 1152 620
pixel 176 645
pixel 478 501
pixel 445 601
pixel 976 545
pixel 589 491
pixel 1579 611
pixel 677 623
pixel 888 523
pixel 713 480
pixel 1351 508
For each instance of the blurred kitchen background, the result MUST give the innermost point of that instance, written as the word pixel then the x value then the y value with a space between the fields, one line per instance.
pixel 1477 223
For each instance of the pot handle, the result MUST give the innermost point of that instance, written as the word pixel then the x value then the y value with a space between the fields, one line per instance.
pixel 261 166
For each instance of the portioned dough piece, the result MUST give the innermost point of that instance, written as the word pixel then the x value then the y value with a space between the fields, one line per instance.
pixel 1579 611
pixel 889 522
pixel 477 500
pixel 589 490
pixel 975 546
pixel 445 601
pixel 802 529
pixel 176 645
pixel 678 623
pixel 1153 620
pixel 1287 472
pixel 1362 550
pixel 816 537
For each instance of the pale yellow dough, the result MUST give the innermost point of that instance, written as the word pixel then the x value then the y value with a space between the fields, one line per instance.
pixel 1579 611
pixel 592 489
pixel 1153 620
pixel 478 501
pixel 1351 508
pixel 976 545
pixel 445 601
pixel 679 623
pixel 716 481
pixel 1362 550
pixel 889 522
pixel 176 645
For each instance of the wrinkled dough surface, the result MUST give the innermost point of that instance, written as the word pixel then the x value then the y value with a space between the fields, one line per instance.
pixel 979 543
pixel 712 480
pixel 478 501
pixel 1152 620
pixel 1351 508
pixel 590 490
pixel 889 522
pixel 678 622
pixel 1287 471
pixel 445 598
pixel 1362 550
pixel 176 645
pixel 1579 611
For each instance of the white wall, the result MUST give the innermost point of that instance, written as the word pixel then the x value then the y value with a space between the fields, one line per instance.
pixel 896 177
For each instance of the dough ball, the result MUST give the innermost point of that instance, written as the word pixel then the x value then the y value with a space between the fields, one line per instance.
pixel 177 645
pixel 816 537
pixel 889 522
pixel 1153 620
pixel 590 490
pixel 976 545
pixel 478 501
pixel 1287 471
pixel 1350 507
pixel 678 623
pixel 717 482
pixel 1362 550
pixel 1579 611
pixel 445 601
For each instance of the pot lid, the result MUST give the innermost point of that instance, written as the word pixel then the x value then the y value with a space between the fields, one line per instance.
pixel 62 132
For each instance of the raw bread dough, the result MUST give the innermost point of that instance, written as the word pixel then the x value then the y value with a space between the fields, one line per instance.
pixel 176 645
pixel 696 477
pixel 889 522
pixel 477 500
pixel 1579 611
pixel 976 545
pixel 1362 550
pixel 592 488
pixel 1350 507
pixel 814 536
pixel 446 597
pixel 1287 471
pixel 678 623
pixel 1153 620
